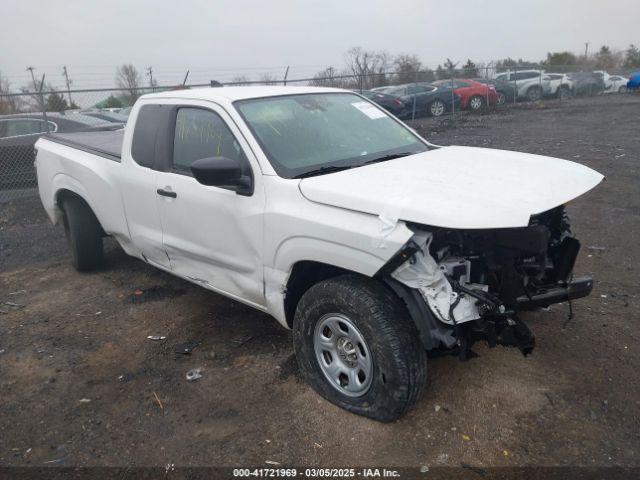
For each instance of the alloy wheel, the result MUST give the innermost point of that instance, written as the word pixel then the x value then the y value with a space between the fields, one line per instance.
pixel 436 109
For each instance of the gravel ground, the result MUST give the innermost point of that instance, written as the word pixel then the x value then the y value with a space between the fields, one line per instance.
pixel 82 385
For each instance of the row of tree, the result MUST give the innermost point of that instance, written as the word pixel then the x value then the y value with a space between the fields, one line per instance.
pixel 368 69
pixel 362 69
pixel 128 79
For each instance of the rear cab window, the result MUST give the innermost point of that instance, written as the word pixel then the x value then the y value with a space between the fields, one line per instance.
pixel 151 118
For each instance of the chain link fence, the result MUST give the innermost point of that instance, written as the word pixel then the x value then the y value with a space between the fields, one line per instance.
pixel 26 116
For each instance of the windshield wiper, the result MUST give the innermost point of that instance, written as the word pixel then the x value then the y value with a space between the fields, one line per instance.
pixel 337 168
pixel 390 156
pixel 323 170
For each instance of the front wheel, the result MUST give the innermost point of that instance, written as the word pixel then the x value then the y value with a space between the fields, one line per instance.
pixel 358 348
pixel 622 89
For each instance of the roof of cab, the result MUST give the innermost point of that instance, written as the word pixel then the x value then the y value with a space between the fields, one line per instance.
pixel 231 94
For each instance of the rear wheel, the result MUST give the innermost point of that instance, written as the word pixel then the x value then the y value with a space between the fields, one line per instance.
pixel 563 92
pixel 534 94
pixel 502 98
pixel 476 102
pixel 84 234
pixel 358 348
pixel 437 108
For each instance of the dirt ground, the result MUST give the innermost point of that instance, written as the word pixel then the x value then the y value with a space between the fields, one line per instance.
pixel 81 384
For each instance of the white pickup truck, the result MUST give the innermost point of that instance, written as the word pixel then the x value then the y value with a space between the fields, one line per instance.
pixel 320 208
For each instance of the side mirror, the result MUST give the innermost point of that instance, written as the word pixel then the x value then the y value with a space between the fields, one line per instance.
pixel 222 172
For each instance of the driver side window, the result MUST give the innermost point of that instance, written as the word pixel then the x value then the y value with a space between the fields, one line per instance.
pixel 200 134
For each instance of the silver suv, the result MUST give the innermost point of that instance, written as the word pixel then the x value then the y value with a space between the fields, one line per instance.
pixel 530 85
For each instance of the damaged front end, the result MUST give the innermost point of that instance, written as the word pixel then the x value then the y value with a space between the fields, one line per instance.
pixel 461 286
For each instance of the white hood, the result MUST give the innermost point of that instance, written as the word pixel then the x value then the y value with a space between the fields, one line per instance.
pixel 456 187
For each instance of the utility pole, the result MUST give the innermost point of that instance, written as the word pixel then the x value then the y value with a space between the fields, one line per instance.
pixel 33 78
pixel 586 51
pixel 68 82
pixel 150 74
pixel 286 74
pixel 39 98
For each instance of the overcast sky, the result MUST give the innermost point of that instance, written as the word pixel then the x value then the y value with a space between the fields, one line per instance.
pixel 222 38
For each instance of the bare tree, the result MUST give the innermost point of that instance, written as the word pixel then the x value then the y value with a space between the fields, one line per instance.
pixel 240 80
pixel 606 59
pixel 329 77
pixel 406 67
pixel 7 104
pixel 269 79
pixel 129 79
pixel 368 68
pixel 450 66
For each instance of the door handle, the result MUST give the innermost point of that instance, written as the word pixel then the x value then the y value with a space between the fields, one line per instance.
pixel 167 193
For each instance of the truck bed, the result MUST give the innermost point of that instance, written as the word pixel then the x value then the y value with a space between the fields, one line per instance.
pixel 107 144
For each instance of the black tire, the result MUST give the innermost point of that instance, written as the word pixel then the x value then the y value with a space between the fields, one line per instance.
pixel 534 94
pixel 622 89
pixel 398 357
pixel 502 98
pixel 84 234
pixel 563 93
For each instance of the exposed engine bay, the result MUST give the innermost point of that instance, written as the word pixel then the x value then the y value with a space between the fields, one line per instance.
pixel 475 282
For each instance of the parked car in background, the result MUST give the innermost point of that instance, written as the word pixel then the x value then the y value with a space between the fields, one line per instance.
pixel 106 115
pixel 612 83
pixel 421 99
pixel 530 85
pixel 19 132
pixel 390 103
pixel 560 85
pixel 384 89
pixel 618 84
pixel 634 81
pixel 473 95
pixel 125 111
pixel 505 90
pixel 586 83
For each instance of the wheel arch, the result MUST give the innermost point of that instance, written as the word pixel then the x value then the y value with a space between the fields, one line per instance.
pixel 308 259
pixel 304 275
pixel 66 186
pixel 63 194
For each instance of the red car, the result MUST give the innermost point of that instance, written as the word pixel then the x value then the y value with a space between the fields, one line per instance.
pixel 473 95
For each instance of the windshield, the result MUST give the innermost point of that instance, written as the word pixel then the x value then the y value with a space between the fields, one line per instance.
pixel 301 134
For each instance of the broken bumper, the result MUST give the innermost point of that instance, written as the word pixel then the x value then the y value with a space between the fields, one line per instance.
pixel 578 288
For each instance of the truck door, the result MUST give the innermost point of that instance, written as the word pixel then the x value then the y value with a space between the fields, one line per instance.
pixel 212 235
pixel 139 183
